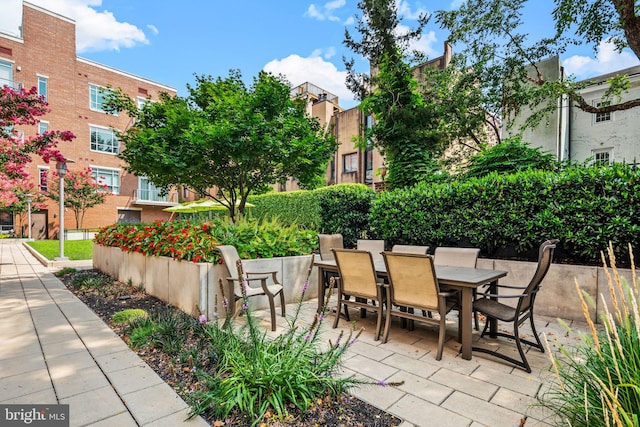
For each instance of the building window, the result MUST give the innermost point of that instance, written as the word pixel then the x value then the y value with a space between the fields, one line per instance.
pixel 602 117
pixel 107 177
pixel 103 140
pixel 43 178
pixel 43 87
pixel 185 193
pixel 43 127
pixel 602 157
pixel 149 192
pixel 142 101
pixel 350 162
pixel 6 74
pixel 97 97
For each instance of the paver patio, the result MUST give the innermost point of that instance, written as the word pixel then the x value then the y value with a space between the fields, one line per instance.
pixel 56 350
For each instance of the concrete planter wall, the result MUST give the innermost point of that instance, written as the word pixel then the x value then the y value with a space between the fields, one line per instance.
pixel 194 287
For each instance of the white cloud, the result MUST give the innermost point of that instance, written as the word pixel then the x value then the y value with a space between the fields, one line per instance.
pixel 153 28
pixel 455 4
pixel 607 60
pixel 404 10
pixel 95 30
pixel 423 44
pixel 315 70
pixel 326 11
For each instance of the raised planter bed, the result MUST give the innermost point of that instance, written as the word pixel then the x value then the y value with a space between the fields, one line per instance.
pixel 194 287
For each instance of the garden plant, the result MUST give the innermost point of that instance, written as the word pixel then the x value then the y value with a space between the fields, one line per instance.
pixel 599 380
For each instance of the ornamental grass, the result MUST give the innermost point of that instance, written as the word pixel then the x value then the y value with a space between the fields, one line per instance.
pixel 598 383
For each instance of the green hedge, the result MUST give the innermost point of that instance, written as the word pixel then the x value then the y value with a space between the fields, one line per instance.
pixel 583 207
pixel 340 208
pixel 295 207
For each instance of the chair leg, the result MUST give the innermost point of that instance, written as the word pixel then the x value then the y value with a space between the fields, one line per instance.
pixel 282 303
pixel 441 334
pixel 337 319
pixel 535 334
pixel 272 309
pixel 516 335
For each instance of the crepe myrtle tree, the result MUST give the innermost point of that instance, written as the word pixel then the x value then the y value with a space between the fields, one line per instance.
pixel 81 192
pixel 23 108
pixel 501 57
pixel 226 138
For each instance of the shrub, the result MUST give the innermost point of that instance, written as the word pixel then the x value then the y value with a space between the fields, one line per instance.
pixel 256 374
pixel 296 207
pixel 510 156
pixel 129 315
pixel 345 209
pixel 196 242
pixel 599 382
pixel 89 280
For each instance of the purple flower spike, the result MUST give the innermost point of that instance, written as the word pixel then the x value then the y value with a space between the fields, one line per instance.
pixel 245 306
pixel 306 285
pixel 202 319
pixel 225 302
pixel 383 383
pixel 308 337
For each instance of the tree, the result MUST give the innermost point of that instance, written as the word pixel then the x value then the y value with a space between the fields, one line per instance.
pixel 405 128
pixel 23 108
pixel 225 136
pixel 505 61
pixel 81 192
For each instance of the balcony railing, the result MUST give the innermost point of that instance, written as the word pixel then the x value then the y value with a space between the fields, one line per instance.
pixel 154 197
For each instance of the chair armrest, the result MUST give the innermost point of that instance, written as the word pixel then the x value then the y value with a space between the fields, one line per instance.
pixel 249 279
pixel 510 286
pixel 448 293
pixel 265 274
pixel 501 296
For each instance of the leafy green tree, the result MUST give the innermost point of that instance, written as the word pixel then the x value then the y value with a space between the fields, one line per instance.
pixel 505 60
pixel 225 139
pixel 81 192
pixel 405 127
pixel 511 156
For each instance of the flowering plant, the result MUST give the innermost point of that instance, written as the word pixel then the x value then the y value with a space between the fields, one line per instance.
pixel 196 242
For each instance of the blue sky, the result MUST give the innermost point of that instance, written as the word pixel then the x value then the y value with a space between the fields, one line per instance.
pixel 169 41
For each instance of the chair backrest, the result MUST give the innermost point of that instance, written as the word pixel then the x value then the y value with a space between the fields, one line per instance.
pixel 373 246
pixel 230 257
pixel 545 256
pixel 456 257
pixel 327 242
pixel 357 272
pixel 412 278
pixel 410 249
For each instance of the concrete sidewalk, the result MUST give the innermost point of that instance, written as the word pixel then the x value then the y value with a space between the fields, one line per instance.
pixel 55 350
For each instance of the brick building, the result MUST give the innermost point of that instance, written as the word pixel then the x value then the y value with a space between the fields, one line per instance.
pixel 44 55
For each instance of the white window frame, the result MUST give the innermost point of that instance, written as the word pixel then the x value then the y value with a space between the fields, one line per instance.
pixel 98 172
pixel 600 118
pixel 602 151
pixel 43 79
pixel 41 171
pixel 111 146
pixel 347 162
pixel 152 191
pixel 43 126
pixel 96 97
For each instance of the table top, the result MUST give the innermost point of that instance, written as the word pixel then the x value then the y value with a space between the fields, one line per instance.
pixel 454 276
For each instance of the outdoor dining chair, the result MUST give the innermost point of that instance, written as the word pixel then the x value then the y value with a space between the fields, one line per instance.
pixel 373 246
pixel 490 306
pixel 410 249
pixel 413 285
pixel 358 279
pixel 458 257
pixel 235 267
pixel 326 242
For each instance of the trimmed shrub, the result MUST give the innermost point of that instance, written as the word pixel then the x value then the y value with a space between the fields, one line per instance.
pixel 296 207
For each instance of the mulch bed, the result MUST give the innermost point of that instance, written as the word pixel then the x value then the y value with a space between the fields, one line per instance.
pixel 110 298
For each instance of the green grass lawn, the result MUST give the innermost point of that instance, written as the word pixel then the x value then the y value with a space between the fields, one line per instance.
pixel 73 249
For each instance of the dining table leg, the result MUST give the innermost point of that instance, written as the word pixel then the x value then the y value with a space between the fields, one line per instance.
pixel 466 313
pixel 320 289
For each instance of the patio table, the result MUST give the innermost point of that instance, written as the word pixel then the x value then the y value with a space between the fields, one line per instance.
pixel 463 279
